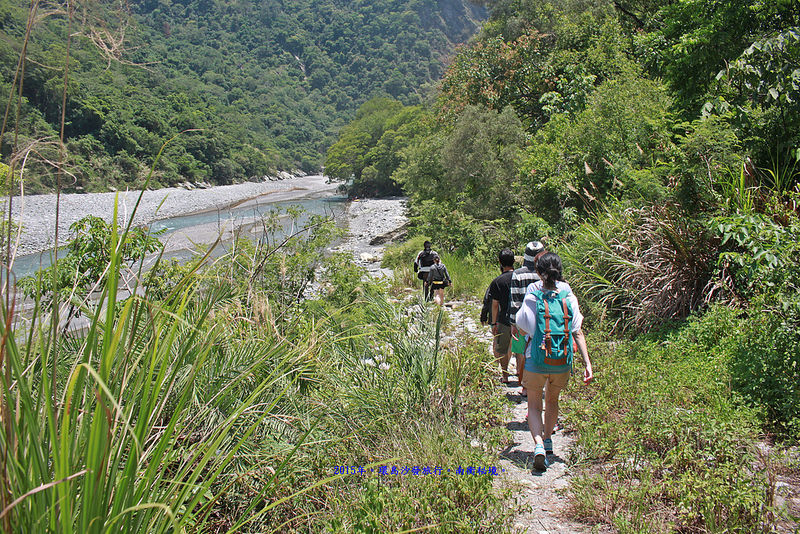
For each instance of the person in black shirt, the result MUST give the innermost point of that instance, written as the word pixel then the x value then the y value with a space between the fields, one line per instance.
pixel 422 266
pixel 500 293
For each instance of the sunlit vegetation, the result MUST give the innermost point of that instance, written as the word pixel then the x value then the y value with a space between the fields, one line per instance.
pixel 263 86
pixel 656 148
pixel 226 395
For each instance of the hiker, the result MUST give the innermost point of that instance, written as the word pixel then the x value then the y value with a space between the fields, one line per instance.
pixel 438 279
pixel 520 280
pixel 499 291
pixel 422 265
pixel 550 314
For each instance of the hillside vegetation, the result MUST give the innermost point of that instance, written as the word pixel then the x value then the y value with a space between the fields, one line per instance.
pixel 264 86
pixel 656 148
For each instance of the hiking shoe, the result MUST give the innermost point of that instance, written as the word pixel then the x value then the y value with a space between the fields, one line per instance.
pixel 548 446
pixel 539 459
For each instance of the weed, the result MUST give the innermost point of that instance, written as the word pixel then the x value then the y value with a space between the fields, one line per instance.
pixel 663 444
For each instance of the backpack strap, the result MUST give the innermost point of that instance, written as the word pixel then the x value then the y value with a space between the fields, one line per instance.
pixel 566 326
pixel 547 342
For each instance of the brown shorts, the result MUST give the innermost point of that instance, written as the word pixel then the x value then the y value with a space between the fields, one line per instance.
pixel 503 338
pixel 535 381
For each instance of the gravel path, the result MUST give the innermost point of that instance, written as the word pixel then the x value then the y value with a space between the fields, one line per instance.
pixel 36 213
pixel 540 497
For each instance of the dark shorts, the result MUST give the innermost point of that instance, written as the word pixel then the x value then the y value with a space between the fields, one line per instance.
pixel 503 338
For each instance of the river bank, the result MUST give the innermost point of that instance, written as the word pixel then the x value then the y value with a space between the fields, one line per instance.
pixel 36 213
pixel 371 224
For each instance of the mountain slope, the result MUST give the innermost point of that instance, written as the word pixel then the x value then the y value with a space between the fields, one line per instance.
pixel 268 82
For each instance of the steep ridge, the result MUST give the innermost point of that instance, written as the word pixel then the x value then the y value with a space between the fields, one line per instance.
pixel 264 85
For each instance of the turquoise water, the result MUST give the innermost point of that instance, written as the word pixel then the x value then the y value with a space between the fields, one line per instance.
pixel 251 210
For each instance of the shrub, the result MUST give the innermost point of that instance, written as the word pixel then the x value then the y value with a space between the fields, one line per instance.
pixel 759 255
pixel 661 440
pixel 646 266
pixel 765 366
pixel 454 231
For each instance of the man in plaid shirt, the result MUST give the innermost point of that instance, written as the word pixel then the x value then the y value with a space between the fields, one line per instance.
pixel 520 280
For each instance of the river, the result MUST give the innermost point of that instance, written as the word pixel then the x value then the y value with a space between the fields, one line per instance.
pixel 199 216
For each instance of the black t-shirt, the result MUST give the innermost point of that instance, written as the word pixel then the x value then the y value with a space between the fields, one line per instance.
pixel 500 290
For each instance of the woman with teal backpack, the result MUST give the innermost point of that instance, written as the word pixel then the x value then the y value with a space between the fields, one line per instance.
pixel 551 318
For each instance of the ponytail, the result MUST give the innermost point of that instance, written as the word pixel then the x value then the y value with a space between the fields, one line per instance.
pixel 550 269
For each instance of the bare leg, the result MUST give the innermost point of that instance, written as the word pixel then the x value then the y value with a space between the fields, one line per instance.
pixel 535 414
pixel 520 358
pixel 550 410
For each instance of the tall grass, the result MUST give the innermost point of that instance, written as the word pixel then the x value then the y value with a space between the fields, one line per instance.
pixel 204 403
pixel 738 193
pixel 130 425
pixel 132 438
pixel 186 407
pixel 645 266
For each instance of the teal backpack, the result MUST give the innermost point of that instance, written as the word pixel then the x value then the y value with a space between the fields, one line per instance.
pixel 552 343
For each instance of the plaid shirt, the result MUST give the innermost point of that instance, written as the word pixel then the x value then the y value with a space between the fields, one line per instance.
pixel 520 280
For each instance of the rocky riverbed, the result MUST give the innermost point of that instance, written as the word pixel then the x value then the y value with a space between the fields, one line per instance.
pixel 36 213
pixel 372 224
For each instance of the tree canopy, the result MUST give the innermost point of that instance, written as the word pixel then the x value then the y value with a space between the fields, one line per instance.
pixel 261 86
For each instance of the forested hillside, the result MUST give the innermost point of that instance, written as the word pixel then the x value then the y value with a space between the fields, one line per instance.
pixel 656 147
pixel 265 84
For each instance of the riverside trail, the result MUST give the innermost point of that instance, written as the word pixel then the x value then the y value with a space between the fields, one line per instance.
pixel 540 498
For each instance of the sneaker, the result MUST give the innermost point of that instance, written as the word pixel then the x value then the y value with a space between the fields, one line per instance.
pixel 548 446
pixel 539 459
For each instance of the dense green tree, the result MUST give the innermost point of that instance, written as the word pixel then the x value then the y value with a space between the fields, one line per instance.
pixel 368 150
pixel 271 80
pixel 762 88
pixel 690 41
pixel 480 158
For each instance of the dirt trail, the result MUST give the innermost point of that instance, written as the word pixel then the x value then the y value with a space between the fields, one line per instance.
pixel 541 497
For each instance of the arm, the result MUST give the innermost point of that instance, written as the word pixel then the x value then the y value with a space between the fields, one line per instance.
pixel 486 309
pixel 513 308
pixel 433 269
pixel 515 298
pixel 581 341
pixel 495 313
